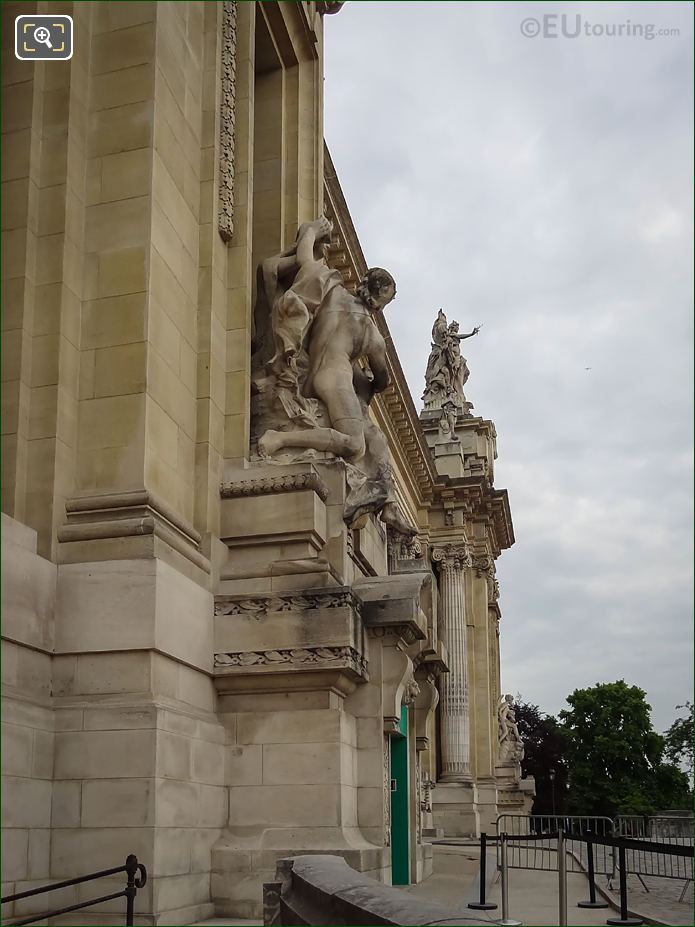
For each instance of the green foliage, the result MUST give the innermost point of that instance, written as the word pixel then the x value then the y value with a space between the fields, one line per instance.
pixel 615 755
pixel 679 741
pixel 545 750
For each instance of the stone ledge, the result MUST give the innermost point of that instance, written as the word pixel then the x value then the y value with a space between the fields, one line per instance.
pixel 126 515
pixel 296 479
pixel 395 604
pixel 325 890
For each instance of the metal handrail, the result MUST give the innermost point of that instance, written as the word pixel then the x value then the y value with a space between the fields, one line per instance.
pixel 137 878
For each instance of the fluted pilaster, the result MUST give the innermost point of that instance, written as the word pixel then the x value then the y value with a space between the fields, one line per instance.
pixel 455 733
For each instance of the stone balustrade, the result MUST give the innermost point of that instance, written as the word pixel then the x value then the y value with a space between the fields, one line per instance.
pixel 325 890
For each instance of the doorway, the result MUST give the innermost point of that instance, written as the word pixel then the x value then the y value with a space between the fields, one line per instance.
pixel 400 824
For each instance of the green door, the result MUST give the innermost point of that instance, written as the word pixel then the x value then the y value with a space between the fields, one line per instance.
pixel 400 837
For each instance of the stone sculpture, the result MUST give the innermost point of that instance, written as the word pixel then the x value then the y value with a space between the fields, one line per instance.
pixel 447 369
pixel 447 422
pixel 318 361
pixel 511 747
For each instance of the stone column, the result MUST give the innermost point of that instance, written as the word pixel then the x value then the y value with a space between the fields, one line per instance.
pixel 455 735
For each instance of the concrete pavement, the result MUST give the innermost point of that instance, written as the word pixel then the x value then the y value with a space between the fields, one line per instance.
pixel 533 894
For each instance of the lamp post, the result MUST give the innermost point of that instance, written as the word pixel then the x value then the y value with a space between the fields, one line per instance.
pixel 552 787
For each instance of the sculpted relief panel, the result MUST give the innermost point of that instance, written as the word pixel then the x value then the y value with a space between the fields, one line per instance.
pixel 318 360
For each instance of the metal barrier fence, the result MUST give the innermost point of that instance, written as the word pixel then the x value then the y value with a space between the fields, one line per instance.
pixel 515 849
pixel 655 826
pixel 642 859
pixel 542 853
pixel 653 830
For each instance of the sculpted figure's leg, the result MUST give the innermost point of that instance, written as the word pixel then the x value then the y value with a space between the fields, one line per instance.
pixel 320 439
pixel 345 439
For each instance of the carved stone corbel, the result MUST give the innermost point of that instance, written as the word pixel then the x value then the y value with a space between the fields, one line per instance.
pixel 397 673
pixel 395 605
pixel 424 705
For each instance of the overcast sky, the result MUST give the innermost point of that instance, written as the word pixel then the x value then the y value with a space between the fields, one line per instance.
pixel 542 186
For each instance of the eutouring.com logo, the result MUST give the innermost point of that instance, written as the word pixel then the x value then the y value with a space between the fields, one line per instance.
pixel 574 26
pixel 43 38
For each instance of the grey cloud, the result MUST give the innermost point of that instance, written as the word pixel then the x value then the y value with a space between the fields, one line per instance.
pixel 542 187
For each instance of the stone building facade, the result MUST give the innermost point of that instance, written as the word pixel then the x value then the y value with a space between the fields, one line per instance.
pixel 203 664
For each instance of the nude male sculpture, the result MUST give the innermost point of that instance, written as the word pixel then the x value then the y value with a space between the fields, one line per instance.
pixel 342 334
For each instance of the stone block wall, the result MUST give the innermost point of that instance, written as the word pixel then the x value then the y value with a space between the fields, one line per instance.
pixel 28 738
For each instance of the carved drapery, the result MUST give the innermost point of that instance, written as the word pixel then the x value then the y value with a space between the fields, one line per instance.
pixel 453 559
pixel 228 80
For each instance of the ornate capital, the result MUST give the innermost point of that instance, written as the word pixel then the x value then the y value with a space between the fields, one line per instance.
pixel 404 548
pixel 485 566
pixel 452 556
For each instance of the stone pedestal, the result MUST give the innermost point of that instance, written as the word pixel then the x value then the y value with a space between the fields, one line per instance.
pixel 311 666
pixel 487 805
pixel 514 794
pixel 454 809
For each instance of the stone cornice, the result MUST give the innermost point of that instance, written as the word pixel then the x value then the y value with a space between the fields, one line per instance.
pixel 292 29
pixel 480 502
pixel 260 606
pixel 291 482
pixel 127 514
pixel 297 658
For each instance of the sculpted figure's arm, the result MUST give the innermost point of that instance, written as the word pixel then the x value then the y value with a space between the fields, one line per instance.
pixel 362 384
pixel 469 335
pixel 300 252
pixel 377 364
pixel 309 233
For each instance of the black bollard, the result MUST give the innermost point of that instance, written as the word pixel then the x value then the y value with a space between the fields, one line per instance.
pixel 592 902
pixel 131 865
pixel 623 920
pixel 482 905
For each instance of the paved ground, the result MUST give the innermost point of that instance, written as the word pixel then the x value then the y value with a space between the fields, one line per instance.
pixel 533 894
pixel 533 897
pixel 661 902
pixel 226 922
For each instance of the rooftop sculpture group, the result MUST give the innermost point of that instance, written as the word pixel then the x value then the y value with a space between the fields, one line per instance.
pixel 318 361
pixel 447 369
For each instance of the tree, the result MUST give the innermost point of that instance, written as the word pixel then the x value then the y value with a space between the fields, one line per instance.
pixel 615 755
pixel 679 741
pixel 545 757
